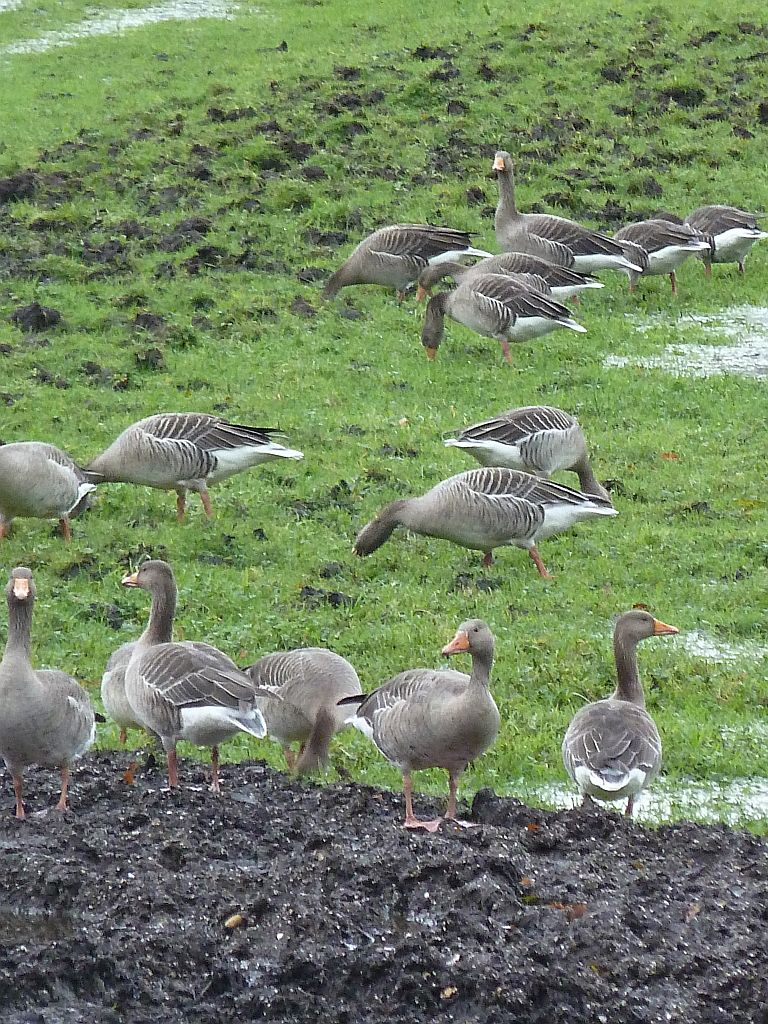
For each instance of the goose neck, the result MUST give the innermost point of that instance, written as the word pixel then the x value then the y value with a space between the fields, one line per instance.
pixel 589 483
pixel 160 626
pixel 629 687
pixel 507 202
pixel 19 626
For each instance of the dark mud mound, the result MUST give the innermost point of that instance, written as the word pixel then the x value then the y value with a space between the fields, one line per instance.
pixel 291 902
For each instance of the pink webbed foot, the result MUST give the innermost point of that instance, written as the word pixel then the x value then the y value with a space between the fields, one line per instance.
pixel 430 826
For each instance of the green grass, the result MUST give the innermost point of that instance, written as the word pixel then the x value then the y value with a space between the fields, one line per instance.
pixel 124 131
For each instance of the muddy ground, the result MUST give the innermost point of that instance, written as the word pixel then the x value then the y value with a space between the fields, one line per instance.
pixel 118 911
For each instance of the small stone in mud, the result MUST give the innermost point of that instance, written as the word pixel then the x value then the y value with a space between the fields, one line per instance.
pixel 35 317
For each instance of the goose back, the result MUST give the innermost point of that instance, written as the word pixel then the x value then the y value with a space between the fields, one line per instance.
pixel 39 481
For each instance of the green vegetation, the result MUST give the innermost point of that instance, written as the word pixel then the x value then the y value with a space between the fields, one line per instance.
pixel 202 173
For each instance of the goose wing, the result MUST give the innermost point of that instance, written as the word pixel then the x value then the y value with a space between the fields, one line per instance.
pixel 582 241
pixel 498 292
pixel 519 425
pixel 714 220
pixel 209 433
pixel 190 674
pixel 612 739
pixel 511 485
pixel 420 240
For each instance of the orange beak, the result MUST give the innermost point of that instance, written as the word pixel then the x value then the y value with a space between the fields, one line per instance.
pixel 421 294
pixel 498 163
pixel 20 588
pixel 431 353
pixel 660 628
pixel 459 643
pixel 130 580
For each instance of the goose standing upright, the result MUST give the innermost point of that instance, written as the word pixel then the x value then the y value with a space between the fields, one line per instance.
pixel 40 481
pixel 592 250
pixel 309 683
pixel 394 256
pixel 180 451
pixel 427 718
pixel 536 439
pixel 485 509
pixel 46 716
pixel 668 246
pixel 186 690
pixel 612 748
pixel 733 233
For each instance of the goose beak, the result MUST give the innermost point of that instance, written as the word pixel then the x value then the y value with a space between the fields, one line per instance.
pixel 459 643
pixel 421 294
pixel 20 588
pixel 660 628
pixel 131 580
pixel 431 353
pixel 498 163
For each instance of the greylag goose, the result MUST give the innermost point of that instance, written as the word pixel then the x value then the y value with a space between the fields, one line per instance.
pixel 310 681
pixel 47 718
pixel 426 718
pixel 185 691
pixel 591 250
pixel 495 306
pixel 485 509
pixel 526 270
pixel 668 246
pixel 181 451
pixel 536 439
pixel 733 233
pixel 40 481
pixel 394 256
pixel 612 748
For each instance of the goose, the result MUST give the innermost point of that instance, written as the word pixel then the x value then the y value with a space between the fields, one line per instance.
pixel 40 481
pixel 592 250
pixel 185 690
pixel 427 718
pixel 495 306
pixel 612 748
pixel 485 509
pixel 310 681
pixel 395 255
pixel 47 718
pixel 529 271
pixel 733 233
pixel 536 439
pixel 668 246
pixel 180 451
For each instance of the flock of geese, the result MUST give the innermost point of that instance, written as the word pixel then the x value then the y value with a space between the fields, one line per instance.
pixel 421 718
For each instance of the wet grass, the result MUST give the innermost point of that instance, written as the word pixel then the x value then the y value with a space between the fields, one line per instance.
pixel 196 172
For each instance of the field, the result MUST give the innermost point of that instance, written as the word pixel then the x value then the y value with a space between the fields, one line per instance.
pixel 180 192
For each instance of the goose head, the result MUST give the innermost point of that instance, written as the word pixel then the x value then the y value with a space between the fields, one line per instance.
pixel 637 625
pixel 502 162
pixel 152 575
pixel 20 585
pixel 473 636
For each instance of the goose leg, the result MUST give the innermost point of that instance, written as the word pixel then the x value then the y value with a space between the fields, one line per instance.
pixel 181 505
pixel 123 737
pixel 66 532
pixel 62 805
pixel 708 269
pixel 290 758
pixel 450 811
pixel 505 352
pixel 215 787
pixel 206 500
pixel 673 279
pixel 18 788
pixel 487 559
pixel 741 266
pixel 587 803
pixel 533 552
pixel 630 806
pixel 410 820
pixel 173 774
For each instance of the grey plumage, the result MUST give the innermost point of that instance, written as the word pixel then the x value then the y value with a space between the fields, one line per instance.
pixel 732 233
pixel 667 244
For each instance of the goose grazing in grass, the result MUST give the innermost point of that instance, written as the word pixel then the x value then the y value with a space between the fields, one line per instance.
pixel 536 439
pixel 46 718
pixel 527 271
pixel 181 451
pixel 668 246
pixel 733 233
pixel 612 748
pixel 486 509
pixel 40 481
pixel 185 691
pixel 309 683
pixel 428 718
pixel 394 256
pixel 591 250
pixel 495 306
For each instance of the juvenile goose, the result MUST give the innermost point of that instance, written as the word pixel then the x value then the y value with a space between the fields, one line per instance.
pixel 612 748
pixel 733 233
pixel 180 451
pixel 495 306
pixel 40 481
pixel 309 681
pixel 536 439
pixel 394 256
pixel 426 718
pixel 592 250
pixel 485 509
pixel 185 691
pixel 668 246
pixel 46 717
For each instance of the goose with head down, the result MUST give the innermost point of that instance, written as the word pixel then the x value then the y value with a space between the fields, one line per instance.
pixel 529 271
pixel 732 231
pixel 428 718
pixel 612 748
pixel 592 250
pixel 46 718
pixel 496 306
pixel 484 509
pixel 394 256
pixel 667 244
pixel 181 451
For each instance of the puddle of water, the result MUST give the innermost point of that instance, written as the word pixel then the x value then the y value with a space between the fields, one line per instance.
pixel 703 646
pixel 731 802
pixel 748 325
pixel 10 5
pixel 119 20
